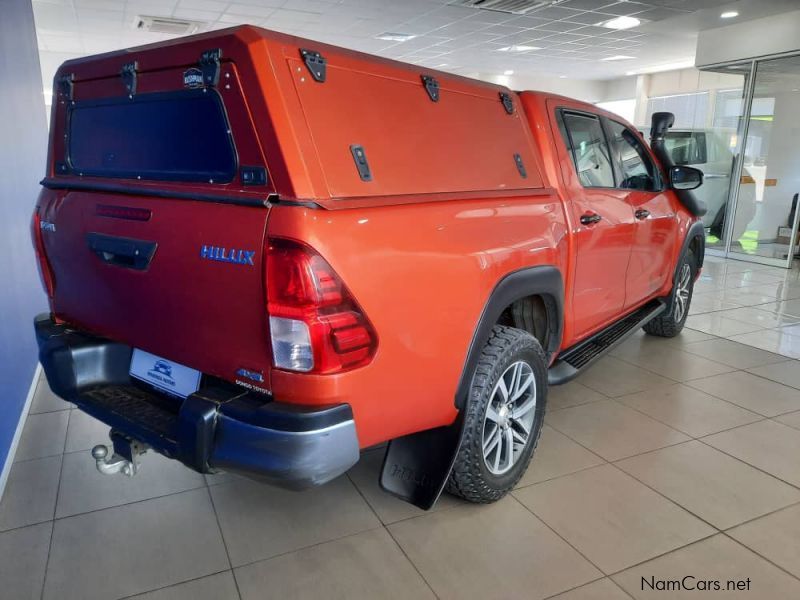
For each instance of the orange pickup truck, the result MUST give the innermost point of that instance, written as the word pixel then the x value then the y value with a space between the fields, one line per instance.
pixel 264 254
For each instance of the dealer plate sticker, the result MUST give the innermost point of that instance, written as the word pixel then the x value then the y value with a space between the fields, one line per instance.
pixel 164 374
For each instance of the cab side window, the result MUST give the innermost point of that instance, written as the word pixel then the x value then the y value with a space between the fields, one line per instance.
pixel 586 142
pixel 636 167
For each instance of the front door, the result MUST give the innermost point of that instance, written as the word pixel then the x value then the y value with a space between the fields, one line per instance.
pixel 656 223
pixel 602 222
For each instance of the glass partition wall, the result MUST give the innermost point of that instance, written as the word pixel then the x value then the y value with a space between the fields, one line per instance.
pixel 754 129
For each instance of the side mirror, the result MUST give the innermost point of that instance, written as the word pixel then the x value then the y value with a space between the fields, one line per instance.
pixel 682 177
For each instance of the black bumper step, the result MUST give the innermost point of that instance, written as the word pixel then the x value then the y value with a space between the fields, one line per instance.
pixel 578 357
pixel 139 413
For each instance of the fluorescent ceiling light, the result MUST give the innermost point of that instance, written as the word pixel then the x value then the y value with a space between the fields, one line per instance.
pixel 729 14
pixel 518 48
pixel 508 72
pixel 618 57
pixel 562 76
pixel 395 37
pixel 620 23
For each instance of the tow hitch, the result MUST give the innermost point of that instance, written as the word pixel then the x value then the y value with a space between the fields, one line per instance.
pixel 124 458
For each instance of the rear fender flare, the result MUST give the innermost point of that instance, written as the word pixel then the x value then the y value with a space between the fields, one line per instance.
pixel 416 466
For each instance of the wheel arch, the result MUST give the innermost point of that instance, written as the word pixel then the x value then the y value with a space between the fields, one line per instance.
pixel 543 282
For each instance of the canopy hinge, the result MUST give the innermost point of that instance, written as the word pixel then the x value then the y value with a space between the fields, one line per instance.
pixel 128 74
pixel 520 166
pixel 66 85
pixel 431 86
pixel 315 63
pixel 508 103
pixel 210 67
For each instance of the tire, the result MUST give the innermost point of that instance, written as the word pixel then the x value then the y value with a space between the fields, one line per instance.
pixel 517 357
pixel 670 325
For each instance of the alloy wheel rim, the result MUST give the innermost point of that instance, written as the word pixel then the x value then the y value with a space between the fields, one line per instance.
pixel 682 292
pixel 509 417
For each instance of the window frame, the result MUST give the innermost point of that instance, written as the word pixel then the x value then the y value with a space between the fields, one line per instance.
pixel 165 176
pixel 619 171
pixel 566 134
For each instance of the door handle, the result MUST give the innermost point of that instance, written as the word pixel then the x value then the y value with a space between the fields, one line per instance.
pixel 590 218
pixel 642 214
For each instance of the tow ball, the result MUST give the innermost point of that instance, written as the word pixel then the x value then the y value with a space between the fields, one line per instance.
pixel 122 458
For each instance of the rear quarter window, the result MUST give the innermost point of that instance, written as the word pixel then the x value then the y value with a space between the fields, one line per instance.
pixel 180 136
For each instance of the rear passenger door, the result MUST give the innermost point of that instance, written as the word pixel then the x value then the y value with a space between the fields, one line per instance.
pixel 640 181
pixel 601 219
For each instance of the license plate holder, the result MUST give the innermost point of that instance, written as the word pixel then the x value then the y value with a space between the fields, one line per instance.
pixel 164 374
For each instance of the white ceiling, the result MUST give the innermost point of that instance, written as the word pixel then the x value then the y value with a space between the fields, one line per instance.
pixel 450 38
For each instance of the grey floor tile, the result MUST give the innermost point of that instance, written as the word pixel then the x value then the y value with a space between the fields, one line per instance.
pixel 612 519
pixel 43 435
pixel 388 508
pixel 23 556
pixel 137 547
pixel 84 432
pixel 365 565
pixel 557 455
pixel 719 489
pixel 757 394
pixel 775 537
pixel 499 550
pixel 739 356
pixel 790 419
pixel 30 494
pixel 772 340
pixel 717 558
pixel 715 324
pixel 787 373
pixel 602 589
pixel 675 363
pixel 220 586
pixel 689 410
pixel 260 521
pixel 612 430
pixel 46 401
pixel 767 445
pixel 614 377
pixel 573 393
pixel 84 488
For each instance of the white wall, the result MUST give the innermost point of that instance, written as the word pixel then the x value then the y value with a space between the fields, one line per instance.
pixel 749 39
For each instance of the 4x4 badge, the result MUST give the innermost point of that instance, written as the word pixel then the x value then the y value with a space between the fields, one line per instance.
pixel 193 78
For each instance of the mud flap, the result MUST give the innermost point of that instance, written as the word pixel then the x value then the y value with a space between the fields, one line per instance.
pixel 416 466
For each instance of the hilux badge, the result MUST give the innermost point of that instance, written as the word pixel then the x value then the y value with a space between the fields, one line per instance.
pixel 193 78
pixel 239 257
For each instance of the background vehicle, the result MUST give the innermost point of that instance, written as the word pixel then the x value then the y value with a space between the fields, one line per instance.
pixel 333 250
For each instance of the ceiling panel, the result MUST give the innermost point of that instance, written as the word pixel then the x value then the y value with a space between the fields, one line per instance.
pixel 466 40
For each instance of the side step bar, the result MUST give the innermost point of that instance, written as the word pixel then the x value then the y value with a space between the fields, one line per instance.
pixel 575 359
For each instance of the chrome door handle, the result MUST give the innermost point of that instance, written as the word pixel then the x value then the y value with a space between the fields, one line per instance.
pixel 642 214
pixel 590 218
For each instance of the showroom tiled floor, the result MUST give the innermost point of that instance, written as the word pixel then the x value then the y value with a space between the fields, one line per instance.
pixel 668 458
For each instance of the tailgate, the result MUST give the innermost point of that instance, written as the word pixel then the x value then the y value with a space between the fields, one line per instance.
pixel 178 278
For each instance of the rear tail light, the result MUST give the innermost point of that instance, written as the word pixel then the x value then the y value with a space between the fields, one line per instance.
pixel 315 323
pixel 45 272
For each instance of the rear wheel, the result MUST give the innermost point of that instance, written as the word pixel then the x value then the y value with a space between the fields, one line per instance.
pixel 503 418
pixel 671 324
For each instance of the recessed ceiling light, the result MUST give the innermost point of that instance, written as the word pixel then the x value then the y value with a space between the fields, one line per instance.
pixel 390 36
pixel 618 57
pixel 508 72
pixel 562 76
pixel 620 23
pixel 518 48
pixel 729 14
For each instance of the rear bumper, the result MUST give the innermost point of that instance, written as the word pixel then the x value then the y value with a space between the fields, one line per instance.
pixel 217 427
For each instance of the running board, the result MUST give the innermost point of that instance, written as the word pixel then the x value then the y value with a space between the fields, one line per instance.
pixel 575 359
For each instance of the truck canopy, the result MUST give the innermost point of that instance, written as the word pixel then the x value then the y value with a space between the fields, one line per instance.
pixel 245 113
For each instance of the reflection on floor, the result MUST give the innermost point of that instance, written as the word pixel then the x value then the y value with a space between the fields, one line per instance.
pixel 669 458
